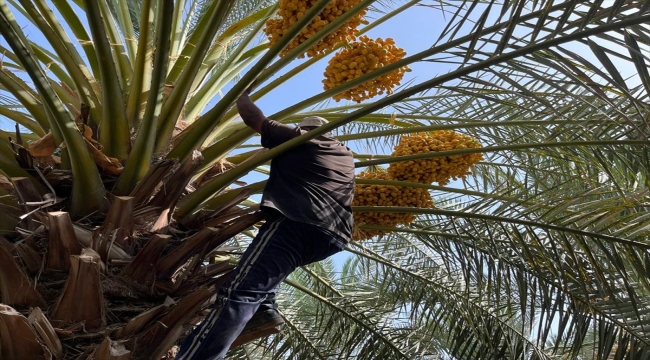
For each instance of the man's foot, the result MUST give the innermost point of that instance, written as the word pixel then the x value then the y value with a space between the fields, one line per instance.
pixel 253 335
pixel 263 323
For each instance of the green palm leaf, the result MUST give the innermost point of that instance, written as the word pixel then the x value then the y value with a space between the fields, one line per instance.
pixel 542 253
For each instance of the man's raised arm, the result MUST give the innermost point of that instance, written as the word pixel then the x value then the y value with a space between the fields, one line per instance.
pixel 250 113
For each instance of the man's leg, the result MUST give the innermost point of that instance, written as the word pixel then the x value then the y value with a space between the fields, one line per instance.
pixel 320 245
pixel 267 318
pixel 269 259
pixel 269 302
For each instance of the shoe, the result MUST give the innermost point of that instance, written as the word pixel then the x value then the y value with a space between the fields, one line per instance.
pixel 262 324
pixel 263 320
pixel 254 335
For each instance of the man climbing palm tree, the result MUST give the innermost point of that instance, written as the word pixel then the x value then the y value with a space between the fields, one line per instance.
pixel 307 202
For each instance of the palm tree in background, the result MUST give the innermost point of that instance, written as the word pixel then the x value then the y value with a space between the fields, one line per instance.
pixel 115 242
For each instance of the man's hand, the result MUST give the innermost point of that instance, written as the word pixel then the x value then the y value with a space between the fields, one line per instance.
pixel 249 112
pixel 250 88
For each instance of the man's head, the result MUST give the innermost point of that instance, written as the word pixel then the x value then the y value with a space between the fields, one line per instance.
pixel 312 122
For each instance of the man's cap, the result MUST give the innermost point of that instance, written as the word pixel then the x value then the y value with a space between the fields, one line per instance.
pixel 312 121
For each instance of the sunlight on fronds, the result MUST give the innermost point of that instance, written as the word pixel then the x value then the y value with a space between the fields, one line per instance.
pixel 540 252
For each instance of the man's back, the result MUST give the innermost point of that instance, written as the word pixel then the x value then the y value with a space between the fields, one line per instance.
pixel 311 183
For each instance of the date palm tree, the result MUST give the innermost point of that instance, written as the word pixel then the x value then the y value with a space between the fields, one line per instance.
pixel 123 207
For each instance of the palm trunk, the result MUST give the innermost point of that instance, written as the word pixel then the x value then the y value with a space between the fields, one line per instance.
pixel 108 287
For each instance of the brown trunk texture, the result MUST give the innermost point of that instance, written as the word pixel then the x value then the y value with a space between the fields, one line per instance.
pixel 83 286
pixel 117 227
pixel 138 323
pixel 29 256
pixel 143 267
pixel 45 331
pixel 111 350
pixel 85 237
pixel 164 333
pixel 17 339
pixel 190 247
pixel 15 288
pixel 27 193
pixel 172 190
pixel 63 242
pixel 126 284
pixel 151 181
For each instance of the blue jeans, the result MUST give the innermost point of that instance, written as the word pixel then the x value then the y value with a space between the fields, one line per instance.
pixel 279 248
